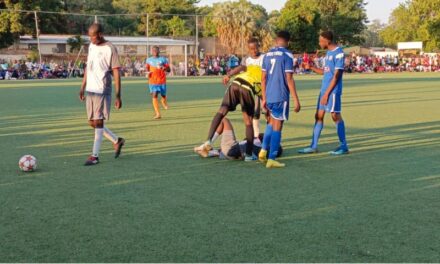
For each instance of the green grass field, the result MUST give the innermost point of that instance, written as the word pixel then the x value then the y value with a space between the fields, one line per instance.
pixel 161 203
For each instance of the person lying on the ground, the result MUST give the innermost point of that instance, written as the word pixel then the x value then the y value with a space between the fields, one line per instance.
pixel 230 148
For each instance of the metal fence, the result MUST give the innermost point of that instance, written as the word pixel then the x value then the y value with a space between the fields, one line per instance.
pixel 190 42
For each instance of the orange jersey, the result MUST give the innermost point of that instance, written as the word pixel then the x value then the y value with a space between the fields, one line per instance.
pixel 156 68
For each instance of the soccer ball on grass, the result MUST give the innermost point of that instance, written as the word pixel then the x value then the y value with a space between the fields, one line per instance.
pixel 27 163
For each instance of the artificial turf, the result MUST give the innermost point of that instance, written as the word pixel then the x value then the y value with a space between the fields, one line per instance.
pixel 161 203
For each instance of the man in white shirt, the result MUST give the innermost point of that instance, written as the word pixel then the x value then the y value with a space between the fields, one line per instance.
pixel 102 62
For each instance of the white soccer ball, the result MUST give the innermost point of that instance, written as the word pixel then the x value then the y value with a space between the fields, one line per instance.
pixel 27 163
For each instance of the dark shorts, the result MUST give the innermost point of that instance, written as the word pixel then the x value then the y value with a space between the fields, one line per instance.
pixel 236 95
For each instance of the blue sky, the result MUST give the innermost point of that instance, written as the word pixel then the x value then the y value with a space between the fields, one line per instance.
pixel 376 9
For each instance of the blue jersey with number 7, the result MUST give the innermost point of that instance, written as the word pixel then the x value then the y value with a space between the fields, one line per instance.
pixel 277 62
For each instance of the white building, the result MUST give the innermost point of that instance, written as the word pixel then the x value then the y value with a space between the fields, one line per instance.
pixel 418 45
pixel 57 44
pixel 410 48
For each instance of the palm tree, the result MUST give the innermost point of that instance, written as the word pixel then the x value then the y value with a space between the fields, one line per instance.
pixel 235 23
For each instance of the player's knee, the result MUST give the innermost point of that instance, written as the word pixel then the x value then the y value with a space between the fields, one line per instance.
pixel 248 122
pixel 336 117
pixel 99 123
pixel 319 117
pixel 277 125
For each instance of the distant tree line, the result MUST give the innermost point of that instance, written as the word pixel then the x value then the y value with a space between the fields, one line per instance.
pixel 417 20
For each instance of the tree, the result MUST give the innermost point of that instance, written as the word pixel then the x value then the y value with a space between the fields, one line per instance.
pixel 346 18
pixel 233 22
pixel 6 39
pixel 157 23
pixel 416 20
pixel 434 31
pixel 305 19
pixel 372 36
pixel 10 21
pixel 273 19
pixel 75 43
pixel 177 27
pixel 207 27
pixel 24 22
pixel 302 20
pixel 113 25
pixel 236 22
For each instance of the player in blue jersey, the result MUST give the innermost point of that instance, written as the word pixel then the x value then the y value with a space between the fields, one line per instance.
pixel 330 96
pixel 277 86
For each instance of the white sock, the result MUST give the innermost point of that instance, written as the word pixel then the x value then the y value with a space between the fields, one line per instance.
pixel 214 138
pixel 213 153
pixel 257 142
pixel 108 134
pixel 98 140
pixel 256 124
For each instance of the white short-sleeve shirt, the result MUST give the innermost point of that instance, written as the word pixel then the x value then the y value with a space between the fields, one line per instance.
pixel 101 60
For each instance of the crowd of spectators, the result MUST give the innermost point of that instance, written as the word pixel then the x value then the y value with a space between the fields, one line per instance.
pixel 369 64
pixel 373 64
pixel 28 69
pixel 218 65
pixel 207 66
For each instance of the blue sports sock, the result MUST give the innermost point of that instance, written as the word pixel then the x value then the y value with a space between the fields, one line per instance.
pixel 316 134
pixel 267 137
pixel 275 143
pixel 340 127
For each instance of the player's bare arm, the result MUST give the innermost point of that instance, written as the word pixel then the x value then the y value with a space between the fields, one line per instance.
pixel 331 87
pixel 167 68
pixel 313 68
pixel 117 77
pixel 263 90
pixel 147 70
pixel 233 72
pixel 292 88
pixel 82 96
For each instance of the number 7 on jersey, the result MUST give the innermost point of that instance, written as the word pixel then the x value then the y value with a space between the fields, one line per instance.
pixel 273 62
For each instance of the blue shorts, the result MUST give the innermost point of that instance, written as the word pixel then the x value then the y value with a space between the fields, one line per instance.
pixel 279 111
pixel 333 105
pixel 158 88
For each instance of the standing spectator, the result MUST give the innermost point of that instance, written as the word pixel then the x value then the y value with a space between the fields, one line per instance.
pixel 233 62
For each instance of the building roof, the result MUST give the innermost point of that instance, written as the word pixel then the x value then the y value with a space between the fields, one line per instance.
pixel 62 39
pixel 382 49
